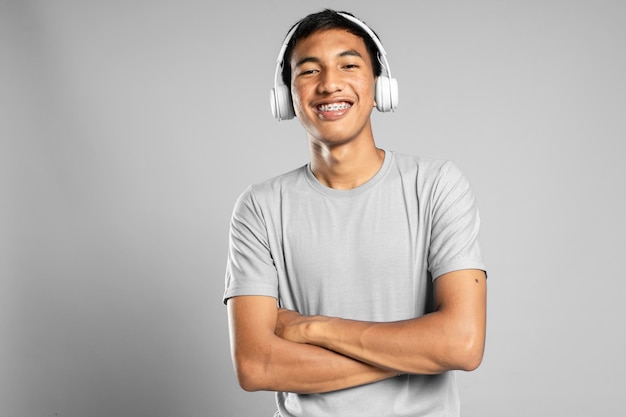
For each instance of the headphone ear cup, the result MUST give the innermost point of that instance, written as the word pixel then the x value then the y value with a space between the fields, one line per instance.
pixel 282 107
pixel 386 94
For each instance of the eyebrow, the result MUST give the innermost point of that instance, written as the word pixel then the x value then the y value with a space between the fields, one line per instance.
pixel 349 52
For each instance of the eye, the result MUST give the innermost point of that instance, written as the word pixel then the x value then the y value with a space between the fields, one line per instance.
pixel 309 71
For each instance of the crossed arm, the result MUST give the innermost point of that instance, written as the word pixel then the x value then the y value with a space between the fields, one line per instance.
pixel 281 350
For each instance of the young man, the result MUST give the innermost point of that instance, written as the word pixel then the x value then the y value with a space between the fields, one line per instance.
pixel 354 284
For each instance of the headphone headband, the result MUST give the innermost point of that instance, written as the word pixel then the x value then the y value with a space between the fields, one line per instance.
pixel 386 86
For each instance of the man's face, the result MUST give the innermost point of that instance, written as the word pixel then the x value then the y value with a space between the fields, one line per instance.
pixel 333 86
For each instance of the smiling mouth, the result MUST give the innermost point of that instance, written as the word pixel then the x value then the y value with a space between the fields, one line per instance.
pixel 332 107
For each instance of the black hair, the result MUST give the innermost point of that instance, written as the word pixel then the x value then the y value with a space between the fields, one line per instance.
pixel 325 20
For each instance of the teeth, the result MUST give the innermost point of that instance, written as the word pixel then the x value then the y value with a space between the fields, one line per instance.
pixel 334 106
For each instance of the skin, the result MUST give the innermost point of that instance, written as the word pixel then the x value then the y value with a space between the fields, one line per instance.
pixel 333 66
pixel 281 350
pixel 452 337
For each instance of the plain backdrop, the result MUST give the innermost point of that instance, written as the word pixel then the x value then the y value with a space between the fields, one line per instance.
pixel 129 128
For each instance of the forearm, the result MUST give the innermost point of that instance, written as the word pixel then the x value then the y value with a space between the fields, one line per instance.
pixel 293 367
pixel 265 361
pixel 426 345
pixel 452 337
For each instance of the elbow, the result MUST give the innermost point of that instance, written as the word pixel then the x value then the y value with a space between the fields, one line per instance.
pixel 467 353
pixel 250 375
pixel 247 383
pixel 247 378
pixel 462 349
pixel 470 362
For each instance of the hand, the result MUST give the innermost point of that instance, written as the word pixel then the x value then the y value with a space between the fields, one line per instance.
pixel 290 325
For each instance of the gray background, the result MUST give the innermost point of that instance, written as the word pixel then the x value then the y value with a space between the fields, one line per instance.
pixel 128 128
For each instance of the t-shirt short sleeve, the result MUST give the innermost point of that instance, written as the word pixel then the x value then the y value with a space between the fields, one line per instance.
pixel 250 268
pixel 455 224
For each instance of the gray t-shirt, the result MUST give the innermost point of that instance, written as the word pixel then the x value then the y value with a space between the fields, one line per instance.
pixel 368 253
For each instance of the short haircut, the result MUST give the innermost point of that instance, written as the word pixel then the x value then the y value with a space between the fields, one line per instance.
pixel 325 20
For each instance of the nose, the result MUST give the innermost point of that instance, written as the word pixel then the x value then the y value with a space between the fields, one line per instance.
pixel 331 81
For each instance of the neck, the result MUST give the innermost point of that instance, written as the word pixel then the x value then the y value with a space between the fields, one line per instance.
pixel 347 166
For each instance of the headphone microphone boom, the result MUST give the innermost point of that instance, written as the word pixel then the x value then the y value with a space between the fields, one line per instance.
pixel 386 86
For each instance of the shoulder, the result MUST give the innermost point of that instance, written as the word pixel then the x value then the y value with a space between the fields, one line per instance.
pixel 426 168
pixel 433 179
pixel 264 192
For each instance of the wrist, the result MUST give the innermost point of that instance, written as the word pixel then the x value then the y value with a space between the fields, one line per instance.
pixel 316 331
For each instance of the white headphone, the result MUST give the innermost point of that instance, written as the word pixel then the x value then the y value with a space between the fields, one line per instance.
pixel 386 87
